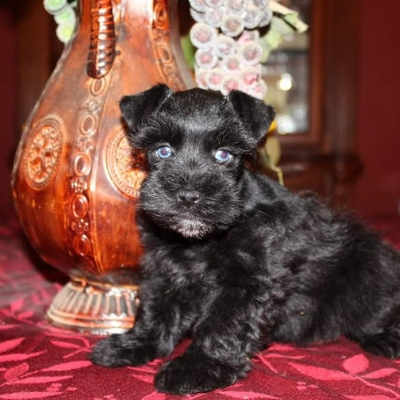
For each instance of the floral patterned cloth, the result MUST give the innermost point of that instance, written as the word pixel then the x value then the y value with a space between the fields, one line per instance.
pixel 38 361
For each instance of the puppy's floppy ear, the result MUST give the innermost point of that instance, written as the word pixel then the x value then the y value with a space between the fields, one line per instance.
pixel 139 106
pixel 253 112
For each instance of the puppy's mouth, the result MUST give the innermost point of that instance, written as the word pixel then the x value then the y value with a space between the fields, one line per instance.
pixel 191 227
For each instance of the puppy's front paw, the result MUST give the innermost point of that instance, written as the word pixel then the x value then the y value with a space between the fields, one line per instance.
pixel 121 350
pixel 189 374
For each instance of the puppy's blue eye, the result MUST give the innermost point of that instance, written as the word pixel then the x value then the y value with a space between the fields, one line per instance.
pixel 223 156
pixel 164 152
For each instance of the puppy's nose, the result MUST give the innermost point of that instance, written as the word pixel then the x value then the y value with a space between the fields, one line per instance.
pixel 188 197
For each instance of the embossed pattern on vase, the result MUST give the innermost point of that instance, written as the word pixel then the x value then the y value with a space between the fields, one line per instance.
pixel 80 173
pixel 42 153
pixel 127 168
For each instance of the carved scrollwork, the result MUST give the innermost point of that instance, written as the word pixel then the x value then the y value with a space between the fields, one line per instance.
pixel 160 15
pixel 162 46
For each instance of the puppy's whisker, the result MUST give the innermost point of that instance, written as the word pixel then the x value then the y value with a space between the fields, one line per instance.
pixel 261 212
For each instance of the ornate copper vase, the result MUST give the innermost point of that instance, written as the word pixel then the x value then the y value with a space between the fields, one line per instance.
pixel 75 179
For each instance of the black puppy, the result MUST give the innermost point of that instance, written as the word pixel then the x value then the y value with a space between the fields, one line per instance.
pixel 236 259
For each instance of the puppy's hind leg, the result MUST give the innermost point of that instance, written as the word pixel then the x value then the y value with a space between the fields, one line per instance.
pixel 378 307
pixel 224 340
pixel 161 322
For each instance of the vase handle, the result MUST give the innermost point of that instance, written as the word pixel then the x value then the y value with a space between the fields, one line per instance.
pixel 102 39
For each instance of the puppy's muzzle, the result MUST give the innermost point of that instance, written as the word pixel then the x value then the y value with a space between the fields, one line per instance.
pixel 188 197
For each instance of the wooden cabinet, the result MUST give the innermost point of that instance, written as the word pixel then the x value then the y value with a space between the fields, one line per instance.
pixel 324 158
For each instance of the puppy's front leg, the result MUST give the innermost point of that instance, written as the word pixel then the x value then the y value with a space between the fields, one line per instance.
pixel 160 324
pixel 229 333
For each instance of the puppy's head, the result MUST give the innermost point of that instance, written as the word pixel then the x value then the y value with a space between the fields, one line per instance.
pixel 196 142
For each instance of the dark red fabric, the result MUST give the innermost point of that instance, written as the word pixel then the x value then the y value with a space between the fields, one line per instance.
pixel 38 361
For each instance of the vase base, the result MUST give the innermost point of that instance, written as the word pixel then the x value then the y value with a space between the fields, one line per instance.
pixel 95 308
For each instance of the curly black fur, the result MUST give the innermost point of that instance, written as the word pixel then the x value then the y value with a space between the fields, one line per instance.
pixel 235 259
